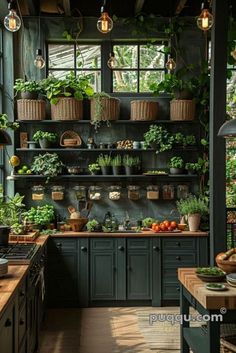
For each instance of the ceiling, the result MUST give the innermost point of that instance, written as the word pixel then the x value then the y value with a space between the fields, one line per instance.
pixel 129 8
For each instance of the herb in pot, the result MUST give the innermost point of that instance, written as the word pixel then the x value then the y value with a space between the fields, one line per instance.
pixel 41 215
pixel 158 138
pixel 48 164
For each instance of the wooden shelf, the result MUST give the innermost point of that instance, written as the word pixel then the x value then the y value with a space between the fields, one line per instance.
pixel 121 121
pixel 103 177
pixel 63 149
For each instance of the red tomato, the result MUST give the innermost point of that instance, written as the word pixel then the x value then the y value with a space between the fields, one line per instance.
pixel 170 229
pixel 157 228
pixel 163 227
pixel 166 223
pixel 154 225
pixel 173 224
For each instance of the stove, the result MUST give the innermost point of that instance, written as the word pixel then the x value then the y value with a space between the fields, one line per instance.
pixel 19 253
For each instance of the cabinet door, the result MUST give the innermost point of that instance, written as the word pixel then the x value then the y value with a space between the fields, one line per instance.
pixel 139 269
pixel 7 331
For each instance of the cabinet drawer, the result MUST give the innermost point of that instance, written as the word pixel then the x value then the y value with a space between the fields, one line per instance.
pixel 99 244
pixel 61 244
pixel 179 260
pixel 178 244
pixel 171 291
pixel 137 244
pixel 22 325
pixel 22 294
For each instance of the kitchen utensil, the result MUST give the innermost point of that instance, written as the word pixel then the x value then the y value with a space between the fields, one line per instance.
pixel 86 210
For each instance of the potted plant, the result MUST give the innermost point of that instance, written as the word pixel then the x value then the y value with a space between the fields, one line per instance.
pixel 6 124
pixel 189 140
pixel 48 164
pixel 176 165
pixel 27 89
pixel 44 138
pixel 158 138
pixel 94 168
pixel 192 208
pixel 103 107
pixel 66 96
pixel 40 216
pixel 179 138
pixel 93 226
pixel 192 168
pixel 131 164
pixel 104 161
pixel 116 163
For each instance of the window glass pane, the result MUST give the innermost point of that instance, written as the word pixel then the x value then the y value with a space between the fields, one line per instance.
pixel 60 56
pixel 94 78
pixel 231 95
pixel 126 56
pixel 58 74
pixel 88 56
pixel 151 57
pixel 125 81
pixel 148 77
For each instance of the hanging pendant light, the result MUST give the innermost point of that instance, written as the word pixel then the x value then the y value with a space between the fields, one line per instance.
pixel 112 62
pixel 205 20
pixel 104 23
pixel 228 129
pixel 39 61
pixel 171 64
pixel 12 21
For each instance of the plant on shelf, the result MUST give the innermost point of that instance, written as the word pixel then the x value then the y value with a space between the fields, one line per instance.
pixel 176 165
pixel 94 168
pixel 41 216
pixel 131 164
pixel 6 124
pixel 104 161
pixel 48 164
pixel 192 208
pixel 27 89
pixel 179 138
pixel 192 168
pixel 189 140
pixel 93 226
pixel 44 138
pixel 116 163
pixel 158 138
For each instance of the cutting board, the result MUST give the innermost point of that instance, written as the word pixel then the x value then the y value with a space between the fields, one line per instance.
pixel 24 237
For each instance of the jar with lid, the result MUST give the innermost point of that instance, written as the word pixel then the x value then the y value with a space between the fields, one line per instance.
pixel 182 191
pixel 95 192
pixel 168 192
pixel 153 192
pixel 80 192
pixel 133 192
pixel 57 193
pixel 114 193
pixel 38 192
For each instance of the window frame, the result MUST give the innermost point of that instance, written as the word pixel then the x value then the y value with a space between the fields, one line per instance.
pixel 2 166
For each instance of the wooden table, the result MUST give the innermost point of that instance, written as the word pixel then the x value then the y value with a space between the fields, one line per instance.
pixel 219 307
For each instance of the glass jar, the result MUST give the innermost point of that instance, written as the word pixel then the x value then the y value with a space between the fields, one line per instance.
pixel 114 193
pixel 168 192
pixel 133 192
pixel 182 191
pixel 80 192
pixel 153 192
pixel 57 193
pixel 38 192
pixel 95 192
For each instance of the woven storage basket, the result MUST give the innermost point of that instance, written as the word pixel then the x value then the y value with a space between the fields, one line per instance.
pixel 228 344
pixel 103 108
pixel 70 135
pixel 67 109
pixel 182 109
pixel 31 109
pixel 144 110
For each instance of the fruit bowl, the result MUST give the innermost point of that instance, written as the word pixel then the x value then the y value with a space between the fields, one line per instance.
pixel 210 274
pixel 227 265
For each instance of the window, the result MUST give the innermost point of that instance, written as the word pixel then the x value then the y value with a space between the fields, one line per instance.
pixel 137 65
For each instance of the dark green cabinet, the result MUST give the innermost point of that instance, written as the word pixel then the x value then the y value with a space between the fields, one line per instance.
pixel 8 330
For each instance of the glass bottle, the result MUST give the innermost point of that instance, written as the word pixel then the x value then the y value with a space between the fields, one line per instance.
pixel 133 192
pixel 153 192
pixel 57 193
pixel 114 192
pixel 37 192
pixel 95 192
pixel 168 192
pixel 80 192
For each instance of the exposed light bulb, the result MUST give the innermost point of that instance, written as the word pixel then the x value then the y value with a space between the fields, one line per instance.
pixel 205 19
pixel 12 21
pixel 104 23
pixel 112 62
pixel 171 64
pixel 39 61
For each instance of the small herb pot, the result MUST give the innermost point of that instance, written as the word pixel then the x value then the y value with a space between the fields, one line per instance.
pixel 44 143
pixel 117 170
pixel 192 172
pixel 106 170
pixel 130 170
pixel 176 171
pixel 32 144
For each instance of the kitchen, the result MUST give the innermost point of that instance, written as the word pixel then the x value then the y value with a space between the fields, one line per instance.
pixel 97 186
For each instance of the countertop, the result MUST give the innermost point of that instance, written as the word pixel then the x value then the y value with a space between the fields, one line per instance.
pixel 208 299
pixel 141 234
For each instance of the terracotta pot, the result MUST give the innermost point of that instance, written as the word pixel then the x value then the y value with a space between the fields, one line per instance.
pixel 194 222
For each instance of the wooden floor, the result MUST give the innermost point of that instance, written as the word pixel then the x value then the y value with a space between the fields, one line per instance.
pixel 108 330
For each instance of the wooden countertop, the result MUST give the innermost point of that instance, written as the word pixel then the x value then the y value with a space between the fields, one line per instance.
pixel 208 299
pixel 142 234
pixel 10 283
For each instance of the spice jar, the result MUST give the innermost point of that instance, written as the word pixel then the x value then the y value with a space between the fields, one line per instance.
pixel 153 192
pixel 37 192
pixel 95 192
pixel 133 192
pixel 114 192
pixel 57 192
pixel 168 192
pixel 80 192
pixel 182 191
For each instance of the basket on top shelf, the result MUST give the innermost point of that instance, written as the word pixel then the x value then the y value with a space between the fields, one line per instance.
pixel 182 109
pixel 70 139
pixel 104 108
pixel 67 108
pixel 143 110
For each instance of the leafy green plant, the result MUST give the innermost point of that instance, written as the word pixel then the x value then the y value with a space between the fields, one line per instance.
pixel 195 167
pixel 176 162
pixel 94 167
pixel 179 138
pixel 39 135
pixel 189 140
pixel 192 205
pixel 92 225
pixel 48 164
pixel 116 161
pixel 159 138
pixel 10 208
pixel 6 124
pixel 40 215
pixel 148 221
pixel 104 160
pixel 26 86
pixel 130 161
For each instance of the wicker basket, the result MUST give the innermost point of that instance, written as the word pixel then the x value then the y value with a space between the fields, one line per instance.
pixel 103 109
pixel 31 109
pixel 77 224
pixel 143 110
pixel 228 344
pixel 70 139
pixel 67 109
pixel 182 109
